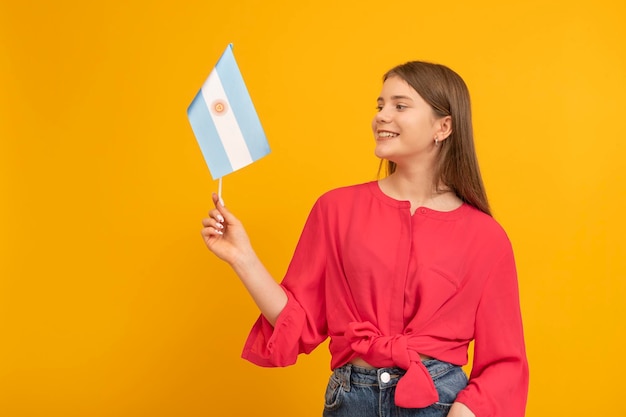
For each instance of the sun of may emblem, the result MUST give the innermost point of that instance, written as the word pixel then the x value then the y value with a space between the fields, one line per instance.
pixel 219 107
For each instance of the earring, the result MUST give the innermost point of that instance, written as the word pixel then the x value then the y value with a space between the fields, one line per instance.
pixel 436 141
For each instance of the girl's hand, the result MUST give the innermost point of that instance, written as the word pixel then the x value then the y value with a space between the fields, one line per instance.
pixel 224 234
pixel 460 410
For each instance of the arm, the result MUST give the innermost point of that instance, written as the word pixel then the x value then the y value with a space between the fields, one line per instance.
pixel 226 237
pixel 498 384
pixel 302 324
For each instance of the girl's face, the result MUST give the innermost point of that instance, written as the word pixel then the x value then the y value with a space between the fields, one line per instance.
pixel 405 126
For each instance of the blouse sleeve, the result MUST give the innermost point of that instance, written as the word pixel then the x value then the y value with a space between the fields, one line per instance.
pixel 498 384
pixel 301 325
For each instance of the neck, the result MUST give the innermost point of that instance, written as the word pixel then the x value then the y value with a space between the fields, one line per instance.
pixel 417 186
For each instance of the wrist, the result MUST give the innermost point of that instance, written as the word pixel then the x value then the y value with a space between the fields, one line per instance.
pixel 244 262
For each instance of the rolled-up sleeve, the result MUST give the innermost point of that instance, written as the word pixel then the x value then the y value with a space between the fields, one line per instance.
pixel 301 325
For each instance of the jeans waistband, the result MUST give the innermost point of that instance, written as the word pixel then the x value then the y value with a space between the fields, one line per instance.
pixel 349 374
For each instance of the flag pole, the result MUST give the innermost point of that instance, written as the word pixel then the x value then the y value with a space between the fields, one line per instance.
pixel 219 190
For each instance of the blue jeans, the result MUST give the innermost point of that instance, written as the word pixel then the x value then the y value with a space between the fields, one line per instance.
pixel 359 392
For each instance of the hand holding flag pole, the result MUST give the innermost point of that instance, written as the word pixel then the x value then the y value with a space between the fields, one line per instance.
pixel 224 121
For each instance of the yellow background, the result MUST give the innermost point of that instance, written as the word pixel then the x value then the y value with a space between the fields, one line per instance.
pixel 110 305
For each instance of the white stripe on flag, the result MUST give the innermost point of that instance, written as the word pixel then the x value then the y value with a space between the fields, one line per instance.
pixel 226 124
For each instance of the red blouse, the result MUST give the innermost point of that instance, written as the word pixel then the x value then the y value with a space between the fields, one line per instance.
pixel 386 285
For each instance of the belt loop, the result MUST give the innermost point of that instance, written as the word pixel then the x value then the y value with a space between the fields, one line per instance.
pixel 347 374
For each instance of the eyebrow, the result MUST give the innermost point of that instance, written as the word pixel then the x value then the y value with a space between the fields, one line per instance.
pixel 396 98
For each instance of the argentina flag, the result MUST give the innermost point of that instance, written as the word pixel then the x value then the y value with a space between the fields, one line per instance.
pixel 224 121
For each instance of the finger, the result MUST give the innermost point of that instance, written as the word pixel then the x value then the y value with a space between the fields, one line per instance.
pixel 212 222
pixel 217 199
pixel 224 212
pixel 215 214
pixel 219 205
pixel 209 232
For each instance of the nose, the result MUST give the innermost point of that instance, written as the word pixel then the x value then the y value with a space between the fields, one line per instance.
pixel 380 119
pixel 383 115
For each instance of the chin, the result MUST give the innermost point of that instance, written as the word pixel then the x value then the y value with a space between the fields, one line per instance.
pixel 381 153
pixel 378 151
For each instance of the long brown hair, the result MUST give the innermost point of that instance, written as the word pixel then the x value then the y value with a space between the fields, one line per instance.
pixel 456 166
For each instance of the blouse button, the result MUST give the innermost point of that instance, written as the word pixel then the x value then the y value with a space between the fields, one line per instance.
pixel 385 377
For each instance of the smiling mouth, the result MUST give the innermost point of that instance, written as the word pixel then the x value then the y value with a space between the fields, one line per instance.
pixel 385 135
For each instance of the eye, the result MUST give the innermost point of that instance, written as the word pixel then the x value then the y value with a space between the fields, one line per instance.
pixel 400 107
pixel 379 108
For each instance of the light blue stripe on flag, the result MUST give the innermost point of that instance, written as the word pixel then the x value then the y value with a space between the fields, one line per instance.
pixel 208 138
pixel 241 103
pixel 224 120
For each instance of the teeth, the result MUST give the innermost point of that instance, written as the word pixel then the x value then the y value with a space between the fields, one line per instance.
pixel 387 135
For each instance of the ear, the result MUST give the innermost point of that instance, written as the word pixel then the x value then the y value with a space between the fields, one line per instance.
pixel 444 127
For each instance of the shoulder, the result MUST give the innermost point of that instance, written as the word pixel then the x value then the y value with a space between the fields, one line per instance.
pixel 343 202
pixel 338 206
pixel 346 194
pixel 486 228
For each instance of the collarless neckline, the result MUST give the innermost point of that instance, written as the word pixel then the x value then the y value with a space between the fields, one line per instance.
pixel 419 211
